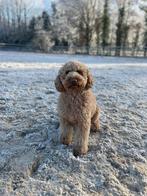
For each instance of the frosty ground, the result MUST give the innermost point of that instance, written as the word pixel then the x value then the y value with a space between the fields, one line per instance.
pixel 33 162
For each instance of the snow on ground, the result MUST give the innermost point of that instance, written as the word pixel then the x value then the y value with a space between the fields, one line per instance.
pixel 33 162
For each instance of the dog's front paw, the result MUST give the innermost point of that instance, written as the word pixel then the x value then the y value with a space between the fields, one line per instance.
pixel 65 140
pixel 77 151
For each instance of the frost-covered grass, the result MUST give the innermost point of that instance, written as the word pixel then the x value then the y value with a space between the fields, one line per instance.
pixel 33 162
pixel 25 57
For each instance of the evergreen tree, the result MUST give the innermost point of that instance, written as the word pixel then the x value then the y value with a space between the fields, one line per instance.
pixel 98 32
pixel 46 21
pixel 105 24
pixel 32 25
pixel 119 30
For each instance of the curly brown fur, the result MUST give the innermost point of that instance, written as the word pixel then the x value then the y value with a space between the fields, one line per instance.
pixel 77 107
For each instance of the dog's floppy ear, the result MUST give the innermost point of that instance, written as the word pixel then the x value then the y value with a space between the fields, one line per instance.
pixel 58 84
pixel 89 80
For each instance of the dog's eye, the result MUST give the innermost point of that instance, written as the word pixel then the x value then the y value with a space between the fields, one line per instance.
pixel 80 72
pixel 67 72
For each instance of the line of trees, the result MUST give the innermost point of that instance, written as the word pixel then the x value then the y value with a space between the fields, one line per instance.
pixel 14 21
pixel 81 23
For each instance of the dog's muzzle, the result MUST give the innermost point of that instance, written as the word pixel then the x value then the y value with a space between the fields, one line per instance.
pixel 73 82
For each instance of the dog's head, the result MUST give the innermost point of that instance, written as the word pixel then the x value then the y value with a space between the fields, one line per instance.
pixel 73 76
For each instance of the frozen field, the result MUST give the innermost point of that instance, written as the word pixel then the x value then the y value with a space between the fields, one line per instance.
pixel 34 163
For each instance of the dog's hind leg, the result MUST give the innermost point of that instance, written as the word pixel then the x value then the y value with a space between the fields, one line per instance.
pixel 66 132
pixel 95 125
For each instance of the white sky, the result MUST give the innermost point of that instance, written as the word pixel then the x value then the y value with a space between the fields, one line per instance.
pixel 42 4
pixel 39 5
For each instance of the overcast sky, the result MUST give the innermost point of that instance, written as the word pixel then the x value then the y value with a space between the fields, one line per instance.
pixel 40 5
pixel 46 4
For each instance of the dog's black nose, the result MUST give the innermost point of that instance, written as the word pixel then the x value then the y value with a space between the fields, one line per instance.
pixel 74 81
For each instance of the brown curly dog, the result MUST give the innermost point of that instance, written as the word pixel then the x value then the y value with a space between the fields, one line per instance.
pixel 77 107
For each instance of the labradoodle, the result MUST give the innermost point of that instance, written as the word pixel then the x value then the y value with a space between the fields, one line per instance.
pixel 77 108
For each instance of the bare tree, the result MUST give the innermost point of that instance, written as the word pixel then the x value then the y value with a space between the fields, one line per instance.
pixel 126 13
pixel 144 8
pixel 77 13
pixel 135 43
pixel 14 19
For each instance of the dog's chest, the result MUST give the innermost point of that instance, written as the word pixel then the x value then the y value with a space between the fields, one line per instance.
pixel 71 106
